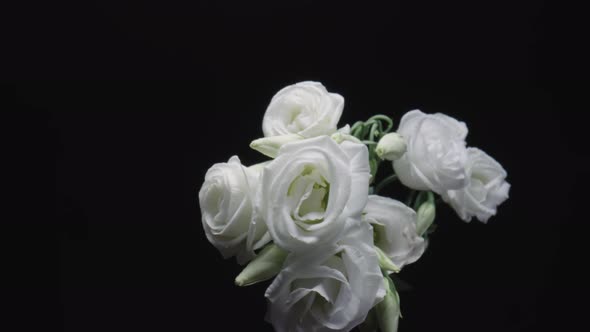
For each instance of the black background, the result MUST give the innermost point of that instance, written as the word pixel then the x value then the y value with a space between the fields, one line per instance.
pixel 130 103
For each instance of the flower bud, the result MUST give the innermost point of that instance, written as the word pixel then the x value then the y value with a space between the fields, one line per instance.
pixel 343 134
pixel 388 310
pixel 341 137
pixel 384 262
pixel 266 265
pixel 270 146
pixel 391 146
pixel 425 215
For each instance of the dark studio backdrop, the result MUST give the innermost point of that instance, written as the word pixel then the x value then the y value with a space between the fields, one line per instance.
pixel 128 104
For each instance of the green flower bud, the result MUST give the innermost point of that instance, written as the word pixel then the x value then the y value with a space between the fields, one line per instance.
pixel 340 137
pixel 391 147
pixel 388 310
pixel 266 265
pixel 270 146
pixel 384 262
pixel 425 215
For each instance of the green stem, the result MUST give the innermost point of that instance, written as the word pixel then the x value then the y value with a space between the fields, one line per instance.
pixel 356 129
pixel 374 165
pixel 388 180
pixel 411 197
pixel 431 197
pixel 384 118
pixel 373 127
pixel 374 132
pixel 420 198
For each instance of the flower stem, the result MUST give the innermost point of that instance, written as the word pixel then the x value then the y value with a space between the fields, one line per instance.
pixel 383 118
pixel 357 129
pixel 374 132
pixel 388 180
pixel 372 129
pixel 411 197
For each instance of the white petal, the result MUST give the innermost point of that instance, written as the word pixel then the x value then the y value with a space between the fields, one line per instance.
pixel 395 224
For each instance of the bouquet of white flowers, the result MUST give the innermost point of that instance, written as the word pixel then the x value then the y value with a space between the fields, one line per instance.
pixel 312 219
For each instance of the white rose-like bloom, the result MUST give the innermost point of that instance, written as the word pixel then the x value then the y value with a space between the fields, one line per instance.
pixel 329 289
pixel 436 153
pixel 305 108
pixel 394 226
pixel 486 190
pixel 226 201
pixel 309 191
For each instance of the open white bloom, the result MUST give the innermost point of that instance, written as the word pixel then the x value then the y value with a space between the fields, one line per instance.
pixel 394 226
pixel 329 289
pixel 309 191
pixel 436 154
pixel 486 190
pixel 226 201
pixel 305 108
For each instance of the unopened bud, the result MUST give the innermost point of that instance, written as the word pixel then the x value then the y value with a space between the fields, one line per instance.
pixel 425 215
pixel 266 265
pixel 391 147
pixel 388 310
pixel 270 146
pixel 339 137
pixel 385 262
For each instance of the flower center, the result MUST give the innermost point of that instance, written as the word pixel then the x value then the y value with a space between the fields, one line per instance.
pixel 311 192
pixel 322 291
pixel 214 199
pixel 477 189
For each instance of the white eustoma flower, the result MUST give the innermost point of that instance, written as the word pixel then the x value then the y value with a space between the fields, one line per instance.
pixel 226 201
pixel 394 226
pixel 329 289
pixel 309 191
pixel 436 153
pixel 486 190
pixel 305 108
